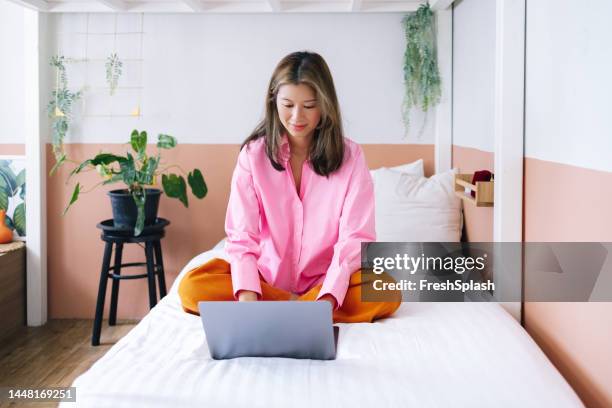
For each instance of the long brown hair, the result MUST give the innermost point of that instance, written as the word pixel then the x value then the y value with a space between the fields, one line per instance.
pixel 327 147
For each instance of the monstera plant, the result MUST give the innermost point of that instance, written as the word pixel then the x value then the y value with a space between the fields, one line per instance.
pixel 137 170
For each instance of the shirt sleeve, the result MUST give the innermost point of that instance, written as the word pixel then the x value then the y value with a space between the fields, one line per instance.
pixel 356 226
pixel 242 228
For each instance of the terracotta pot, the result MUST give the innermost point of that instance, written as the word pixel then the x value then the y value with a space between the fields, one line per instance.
pixel 6 234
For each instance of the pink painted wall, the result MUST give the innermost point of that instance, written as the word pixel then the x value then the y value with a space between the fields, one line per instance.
pixel 478 220
pixel 12 149
pixel 568 203
pixel 75 249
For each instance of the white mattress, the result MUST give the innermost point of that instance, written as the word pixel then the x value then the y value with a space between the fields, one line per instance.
pixel 426 355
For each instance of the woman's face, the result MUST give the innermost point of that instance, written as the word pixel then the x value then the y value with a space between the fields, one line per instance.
pixel 298 109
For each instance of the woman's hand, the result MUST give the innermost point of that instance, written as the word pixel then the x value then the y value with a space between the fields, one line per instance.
pixel 247 296
pixel 329 298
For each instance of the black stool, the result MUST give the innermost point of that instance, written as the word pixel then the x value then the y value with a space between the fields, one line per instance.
pixel 150 236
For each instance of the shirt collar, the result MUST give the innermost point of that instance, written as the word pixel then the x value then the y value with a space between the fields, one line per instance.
pixel 285 149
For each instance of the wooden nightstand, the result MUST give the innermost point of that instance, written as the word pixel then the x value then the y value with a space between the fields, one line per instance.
pixel 12 288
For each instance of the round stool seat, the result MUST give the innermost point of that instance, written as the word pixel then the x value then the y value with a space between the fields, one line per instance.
pixel 108 228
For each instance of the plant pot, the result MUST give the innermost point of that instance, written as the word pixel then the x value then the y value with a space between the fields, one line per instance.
pixel 125 211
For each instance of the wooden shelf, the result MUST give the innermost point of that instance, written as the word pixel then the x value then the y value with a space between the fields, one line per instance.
pixel 483 189
pixel 12 288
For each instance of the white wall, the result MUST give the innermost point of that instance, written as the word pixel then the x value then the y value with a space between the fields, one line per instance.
pixel 12 126
pixel 204 77
pixel 569 83
pixel 474 73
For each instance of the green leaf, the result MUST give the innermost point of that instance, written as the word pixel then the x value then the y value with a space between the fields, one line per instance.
pixel 103 171
pixel 20 178
pixel 19 219
pixel 197 183
pixel 9 223
pixel 59 161
pixel 10 179
pixel 106 159
pixel 166 141
pixel 148 171
pixel 3 198
pixel 175 187
pixel 115 178
pixel 139 142
pixel 100 159
pixel 128 170
pixel 22 193
pixel 75 195
pixel 79 168
pixel 139 199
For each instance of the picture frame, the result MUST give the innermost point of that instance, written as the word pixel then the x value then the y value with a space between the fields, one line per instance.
pixel 13 193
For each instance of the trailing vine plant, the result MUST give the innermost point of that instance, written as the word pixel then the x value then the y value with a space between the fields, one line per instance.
pixel 113 72
pixel 421 75
pixel 59 110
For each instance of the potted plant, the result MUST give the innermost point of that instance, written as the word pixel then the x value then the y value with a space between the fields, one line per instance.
pixel 136 205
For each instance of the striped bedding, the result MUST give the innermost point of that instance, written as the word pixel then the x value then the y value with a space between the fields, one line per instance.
pixel 427 355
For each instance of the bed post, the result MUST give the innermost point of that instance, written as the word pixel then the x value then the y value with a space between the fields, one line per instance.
pixel 444 110
pixel 509 139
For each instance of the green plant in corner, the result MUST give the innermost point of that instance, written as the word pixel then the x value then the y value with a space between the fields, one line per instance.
pixel 421 74
pixel 113 71
pixel 59 110
pixel 139 171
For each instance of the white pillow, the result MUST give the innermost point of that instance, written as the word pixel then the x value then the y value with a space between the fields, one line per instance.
pixel 411 208
pixel 415 168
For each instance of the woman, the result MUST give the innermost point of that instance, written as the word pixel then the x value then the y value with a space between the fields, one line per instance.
pixel 301 203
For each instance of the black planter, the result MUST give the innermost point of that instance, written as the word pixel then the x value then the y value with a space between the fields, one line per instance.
pixel 125 211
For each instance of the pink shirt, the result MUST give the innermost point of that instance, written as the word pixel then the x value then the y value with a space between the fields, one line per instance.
pixel 298 241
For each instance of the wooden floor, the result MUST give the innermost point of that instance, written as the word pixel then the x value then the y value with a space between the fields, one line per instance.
pixel 55 354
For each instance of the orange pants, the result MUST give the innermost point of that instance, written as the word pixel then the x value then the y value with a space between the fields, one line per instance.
pixel 213 281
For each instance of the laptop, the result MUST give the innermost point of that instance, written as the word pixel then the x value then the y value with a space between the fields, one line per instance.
pixel 294 329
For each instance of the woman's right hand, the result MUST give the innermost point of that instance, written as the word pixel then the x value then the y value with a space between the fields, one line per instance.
pixel 247 296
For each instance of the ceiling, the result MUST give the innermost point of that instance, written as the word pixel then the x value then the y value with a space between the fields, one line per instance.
pixel 228 6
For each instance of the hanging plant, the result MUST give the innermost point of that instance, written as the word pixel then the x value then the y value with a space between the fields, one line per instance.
pixel 421 75
pixel 59 110
pixel 113 72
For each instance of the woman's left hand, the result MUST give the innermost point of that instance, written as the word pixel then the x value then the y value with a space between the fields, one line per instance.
pixel 330 299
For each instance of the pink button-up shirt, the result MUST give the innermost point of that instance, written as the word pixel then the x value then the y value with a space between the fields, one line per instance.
pixel 298 241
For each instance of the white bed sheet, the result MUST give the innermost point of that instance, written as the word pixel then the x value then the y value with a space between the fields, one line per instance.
pixel 426 355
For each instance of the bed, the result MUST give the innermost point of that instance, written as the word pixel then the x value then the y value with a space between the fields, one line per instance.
pixel 426 355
